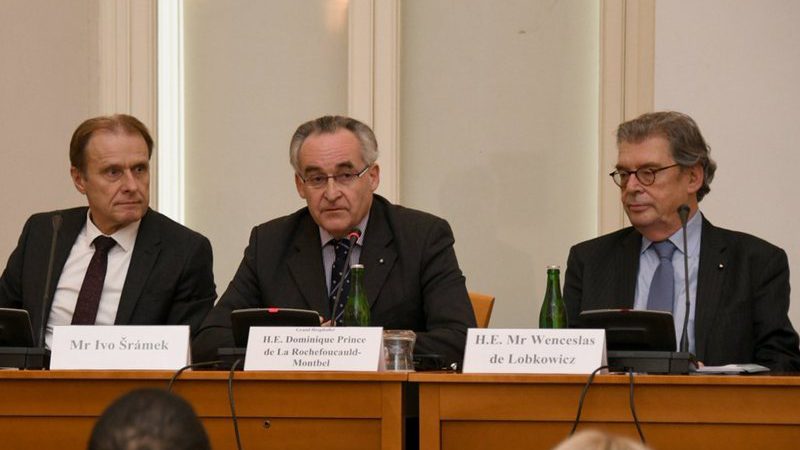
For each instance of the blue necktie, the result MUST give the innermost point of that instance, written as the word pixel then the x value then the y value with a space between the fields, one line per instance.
pixel 662 288
pixel 342 248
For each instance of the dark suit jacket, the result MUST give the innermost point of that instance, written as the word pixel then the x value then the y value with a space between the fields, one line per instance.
pixel 412 278
pixel 170 279
pixel 742 293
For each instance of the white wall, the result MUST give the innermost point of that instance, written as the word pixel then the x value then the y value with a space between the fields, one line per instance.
pixel 470 68
pixel 521 75
pixel 48 85
pixel 254 71
pixel 735 67
pixel 499 123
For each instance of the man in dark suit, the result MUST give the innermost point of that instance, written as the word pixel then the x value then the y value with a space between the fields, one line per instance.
pixel 738 284
pixel 412 278
pixel 117 261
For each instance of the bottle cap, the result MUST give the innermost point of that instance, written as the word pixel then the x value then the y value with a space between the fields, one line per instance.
pixel 553 267
pixel 357 266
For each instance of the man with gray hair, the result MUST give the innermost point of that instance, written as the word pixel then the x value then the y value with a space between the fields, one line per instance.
pixel 412 279
pixel 738 283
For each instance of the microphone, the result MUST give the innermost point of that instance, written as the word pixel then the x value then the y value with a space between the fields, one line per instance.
pixel 352 237
pixel 683 212
pixel 49 279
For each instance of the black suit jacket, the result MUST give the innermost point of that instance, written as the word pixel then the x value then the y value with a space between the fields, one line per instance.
pixel 170 279
pixel 742 293
pixel 411 277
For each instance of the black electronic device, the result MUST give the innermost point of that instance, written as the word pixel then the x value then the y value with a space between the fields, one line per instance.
pixel 642 341
pixel 15 328
pixel 17 348
pixel 243 319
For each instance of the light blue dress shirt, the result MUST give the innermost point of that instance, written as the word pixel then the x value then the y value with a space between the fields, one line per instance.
pixel 648 262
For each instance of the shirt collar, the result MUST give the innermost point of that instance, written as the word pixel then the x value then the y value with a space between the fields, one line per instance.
pixel 125 237
pixel 326 237
pixel 694 228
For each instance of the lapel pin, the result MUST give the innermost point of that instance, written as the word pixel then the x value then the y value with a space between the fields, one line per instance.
pixel 380 261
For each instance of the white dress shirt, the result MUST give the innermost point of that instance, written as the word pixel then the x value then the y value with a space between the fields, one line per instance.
pixel 69 284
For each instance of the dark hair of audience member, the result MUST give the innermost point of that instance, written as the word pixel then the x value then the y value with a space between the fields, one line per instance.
pixel 149 419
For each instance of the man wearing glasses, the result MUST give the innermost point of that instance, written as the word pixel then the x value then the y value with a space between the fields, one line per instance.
pixel 738 284
pixel 412 278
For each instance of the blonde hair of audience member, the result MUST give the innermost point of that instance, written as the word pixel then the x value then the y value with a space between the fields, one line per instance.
pixel 598 440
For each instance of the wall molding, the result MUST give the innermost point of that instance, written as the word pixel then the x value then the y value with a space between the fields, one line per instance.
pixel 128 60
pixel 170 101
pixel 128 57
pixel 374 81
pixel 627 78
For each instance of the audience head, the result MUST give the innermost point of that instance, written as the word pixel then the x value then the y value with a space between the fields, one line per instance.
pixel 598 440
pixel 149 419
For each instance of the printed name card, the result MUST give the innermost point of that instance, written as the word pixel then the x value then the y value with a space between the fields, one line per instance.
pixel 160 347
pixel 355 349
pixel 572 351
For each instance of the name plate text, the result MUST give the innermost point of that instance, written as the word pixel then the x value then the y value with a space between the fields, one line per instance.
pixel 568 351
pixel 158 347
pixel 355 349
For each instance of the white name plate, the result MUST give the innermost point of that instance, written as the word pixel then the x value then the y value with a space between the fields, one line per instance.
pixel 157 347
pixel 574 351
pixel 355 349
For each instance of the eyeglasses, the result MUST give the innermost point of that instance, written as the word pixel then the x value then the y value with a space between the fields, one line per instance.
pixel 342 179
pixel 646 175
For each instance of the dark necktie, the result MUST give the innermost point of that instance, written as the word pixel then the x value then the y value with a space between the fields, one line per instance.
pixel 662 287
pixel 89 297
pixel 342 248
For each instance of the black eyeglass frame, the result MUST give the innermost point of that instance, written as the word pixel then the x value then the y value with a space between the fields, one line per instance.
pixel 338 178
pixel 617 175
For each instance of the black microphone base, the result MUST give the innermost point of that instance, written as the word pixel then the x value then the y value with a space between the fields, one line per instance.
pixel 228 356
pixel 640 361
pixel 31 358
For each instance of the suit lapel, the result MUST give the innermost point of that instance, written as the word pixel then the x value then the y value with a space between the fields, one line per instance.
pixel 631 248
pixel 378 255
pixel 145 254
pixel 72 223
pixel 710 275
pixel 306 267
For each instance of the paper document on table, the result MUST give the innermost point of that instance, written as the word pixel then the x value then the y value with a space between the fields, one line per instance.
pixel 733 369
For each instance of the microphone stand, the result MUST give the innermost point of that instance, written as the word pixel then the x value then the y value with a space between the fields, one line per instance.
pixel 35 357
pixel 352 239
pixel 48 281
pixel 683 212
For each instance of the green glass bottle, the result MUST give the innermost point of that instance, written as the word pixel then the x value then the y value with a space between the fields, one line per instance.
pixel 356 310
pixel 554 311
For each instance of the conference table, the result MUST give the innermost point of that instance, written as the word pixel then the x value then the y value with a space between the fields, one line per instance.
pixel 466 411
pixel 275 410
pixel 341 410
